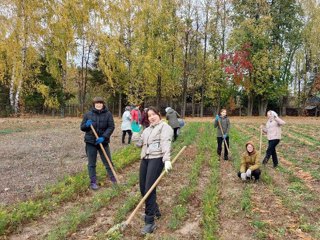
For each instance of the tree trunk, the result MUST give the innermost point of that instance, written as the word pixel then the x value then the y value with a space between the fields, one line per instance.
pixel 185 76
pixel 193 103
pixel 120 104
pixel 284 105
pixel 250 104
pixel 262 106
pixel 158 91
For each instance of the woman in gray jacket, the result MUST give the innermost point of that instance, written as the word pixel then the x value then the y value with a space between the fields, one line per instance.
pixel 224 135
pixel 172 117
pixel 273 131
pixel 155 154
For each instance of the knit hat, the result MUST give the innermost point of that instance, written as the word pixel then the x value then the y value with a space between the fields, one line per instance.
pixel 167 109
pixel 98 100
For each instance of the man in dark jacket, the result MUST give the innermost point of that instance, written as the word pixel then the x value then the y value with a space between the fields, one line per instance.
pixel 102 121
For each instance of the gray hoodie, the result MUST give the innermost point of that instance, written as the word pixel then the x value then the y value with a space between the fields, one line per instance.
pixel 156 142
pixel 172 117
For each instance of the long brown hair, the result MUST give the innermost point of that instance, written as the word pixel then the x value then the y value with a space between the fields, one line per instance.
pixel 254 149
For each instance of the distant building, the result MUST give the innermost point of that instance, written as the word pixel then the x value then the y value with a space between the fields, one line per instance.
pixel 312 106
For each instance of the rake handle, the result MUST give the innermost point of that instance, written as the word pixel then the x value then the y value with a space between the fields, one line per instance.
pixel 105 154
pixel 151 189
pixel 260 143
pixel 225 142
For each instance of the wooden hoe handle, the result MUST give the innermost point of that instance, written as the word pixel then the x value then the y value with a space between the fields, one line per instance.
pixel 105 154
pixel 151 189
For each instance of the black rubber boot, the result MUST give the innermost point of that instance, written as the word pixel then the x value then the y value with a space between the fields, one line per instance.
pixel 265 161
pixel 148 228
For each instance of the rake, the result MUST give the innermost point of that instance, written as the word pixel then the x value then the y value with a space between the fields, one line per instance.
pixel 105 154
pixel 121 226
pixel 225 141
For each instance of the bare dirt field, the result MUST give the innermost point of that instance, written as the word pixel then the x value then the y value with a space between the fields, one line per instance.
pixel 36 152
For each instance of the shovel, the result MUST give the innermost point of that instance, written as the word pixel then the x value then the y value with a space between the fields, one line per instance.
pixel 225 142
pixel 121 226
pixel 105 154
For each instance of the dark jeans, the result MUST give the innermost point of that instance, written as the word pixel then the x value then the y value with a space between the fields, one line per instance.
pixel 92 152
pixel 271 151
pixel 150 170
pixel 175 133
pixel 219 149
pixel 124 135
pixel 255 173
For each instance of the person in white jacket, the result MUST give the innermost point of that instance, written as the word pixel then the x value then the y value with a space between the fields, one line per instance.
pixel 273 131
pixel 155 154
pixel 126 125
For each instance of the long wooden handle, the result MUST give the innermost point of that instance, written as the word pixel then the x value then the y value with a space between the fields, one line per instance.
pixel 260 140
pixel 151 189
pixel 225 141
pixel 105 154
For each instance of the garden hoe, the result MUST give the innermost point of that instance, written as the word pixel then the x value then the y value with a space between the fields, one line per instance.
pixel 225 141
pixel 105 154
pixel 121 226
pixel 260 141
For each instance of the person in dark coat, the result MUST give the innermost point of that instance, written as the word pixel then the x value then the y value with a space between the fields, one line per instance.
pixel 172 117
pixel 102 121
pixel 144 119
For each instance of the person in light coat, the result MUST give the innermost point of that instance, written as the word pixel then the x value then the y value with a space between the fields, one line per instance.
pixel 126 125
pixel 155 155
pixel 273 131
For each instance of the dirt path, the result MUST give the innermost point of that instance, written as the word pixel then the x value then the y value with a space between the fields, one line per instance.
pixel 234 224
pixel 191 227
pixel 167 192
pixel 274 219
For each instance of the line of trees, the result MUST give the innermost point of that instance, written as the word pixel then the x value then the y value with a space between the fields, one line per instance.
pixel 211 52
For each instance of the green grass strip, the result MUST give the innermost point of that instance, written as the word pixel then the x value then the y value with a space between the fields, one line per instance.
pixel 180 210
pixel 9 131
pixel 80 215
pixel 210 210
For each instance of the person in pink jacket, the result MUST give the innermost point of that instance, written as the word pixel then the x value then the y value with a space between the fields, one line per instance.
pixel 273 131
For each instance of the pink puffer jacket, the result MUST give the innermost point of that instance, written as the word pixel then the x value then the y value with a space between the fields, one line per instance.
pixel 273 128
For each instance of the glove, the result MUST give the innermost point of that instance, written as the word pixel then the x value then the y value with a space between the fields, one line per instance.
pixel 274 114
pixel 88 123
pixel 139 143
pixel 243 176
pixel 217 117
pixel 167 166
pixel 225 136
pixel 248 173
pixel 100 140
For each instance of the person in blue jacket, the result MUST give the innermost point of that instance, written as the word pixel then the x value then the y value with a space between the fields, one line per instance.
pixel 102 121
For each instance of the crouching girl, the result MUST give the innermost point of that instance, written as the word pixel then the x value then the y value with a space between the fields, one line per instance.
pixel 250 163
